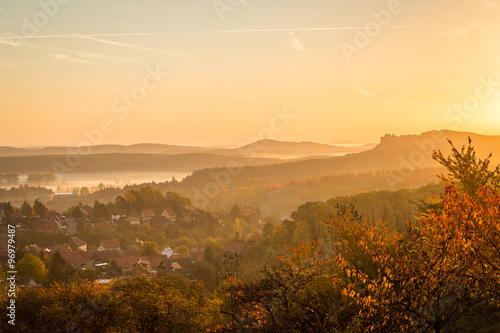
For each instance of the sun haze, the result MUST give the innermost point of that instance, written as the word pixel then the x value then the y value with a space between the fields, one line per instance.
pixel 219 72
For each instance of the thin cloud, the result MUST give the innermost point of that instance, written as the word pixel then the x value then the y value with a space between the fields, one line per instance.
pixel 136 47
pixel 225 31
pixel 69 58
pixel 103 56
pixel 58 56
pixel 364 93
pixel 246 98
pixel 295 42
pixel 26 64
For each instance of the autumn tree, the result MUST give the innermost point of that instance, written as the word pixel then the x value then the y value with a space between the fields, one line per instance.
pixel 296 295
pixel 467 172
pixel 439 271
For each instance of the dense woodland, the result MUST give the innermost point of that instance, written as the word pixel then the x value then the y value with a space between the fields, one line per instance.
pixel 422 260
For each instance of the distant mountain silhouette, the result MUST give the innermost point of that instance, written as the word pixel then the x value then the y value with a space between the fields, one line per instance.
pixel 119 162
pixel 277 149
pixel 265 158
pixel 393 153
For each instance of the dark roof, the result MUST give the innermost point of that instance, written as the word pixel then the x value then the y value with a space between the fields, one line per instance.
pixel 170 211
pixel 107 254
pixel 185 263
pixel 158 220
pixel 51 214
pixel 87 209
pixel 236 247
pixel 76 242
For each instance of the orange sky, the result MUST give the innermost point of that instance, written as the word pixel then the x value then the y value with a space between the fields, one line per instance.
pixel 69 69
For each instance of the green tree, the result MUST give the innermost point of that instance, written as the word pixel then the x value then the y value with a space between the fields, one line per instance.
pixel 60 270
pixel 39 208
pixel 26 209
pixel 182 249
pixel 84 191
pixel 31 266
pixel 279 237
pixel 149 248
pixel 302 232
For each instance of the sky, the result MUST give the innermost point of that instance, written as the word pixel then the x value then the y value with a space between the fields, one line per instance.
pixel 228 72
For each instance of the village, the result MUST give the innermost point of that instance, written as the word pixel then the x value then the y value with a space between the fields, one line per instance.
pixel 113 258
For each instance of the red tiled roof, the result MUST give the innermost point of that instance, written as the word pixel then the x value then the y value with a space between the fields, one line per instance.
pixel 50 226
pixel 110 243
pixel 62 248
pixel 148 213
pixel 236 247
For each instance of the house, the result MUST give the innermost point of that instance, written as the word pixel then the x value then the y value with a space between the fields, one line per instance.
pixel 86 210
pixel 49 227
pixel 155 262
pixel 167 251
pixel 26 282
pixel 77 259
pixel 17 219
pixel 117 214
pixel 139 269
pixel 52 216
pixel 62 248
pixel 77 244
pixel 146 215
pixel 133 220
pixel 169 214
pixel 32 249
pixel 102 258
pixel 182 266
pixel 107 244
pixel 217 218
pixel 236 248
pixel 231 260
pixel 134 248
pixel 196 254
pixel 159 222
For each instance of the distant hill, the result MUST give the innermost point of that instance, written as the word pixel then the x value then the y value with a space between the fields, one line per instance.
pixel 272 148
pixel 142 148
pixel 262 148
pixel 118 162
pixel 160 157
pixel 393 153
